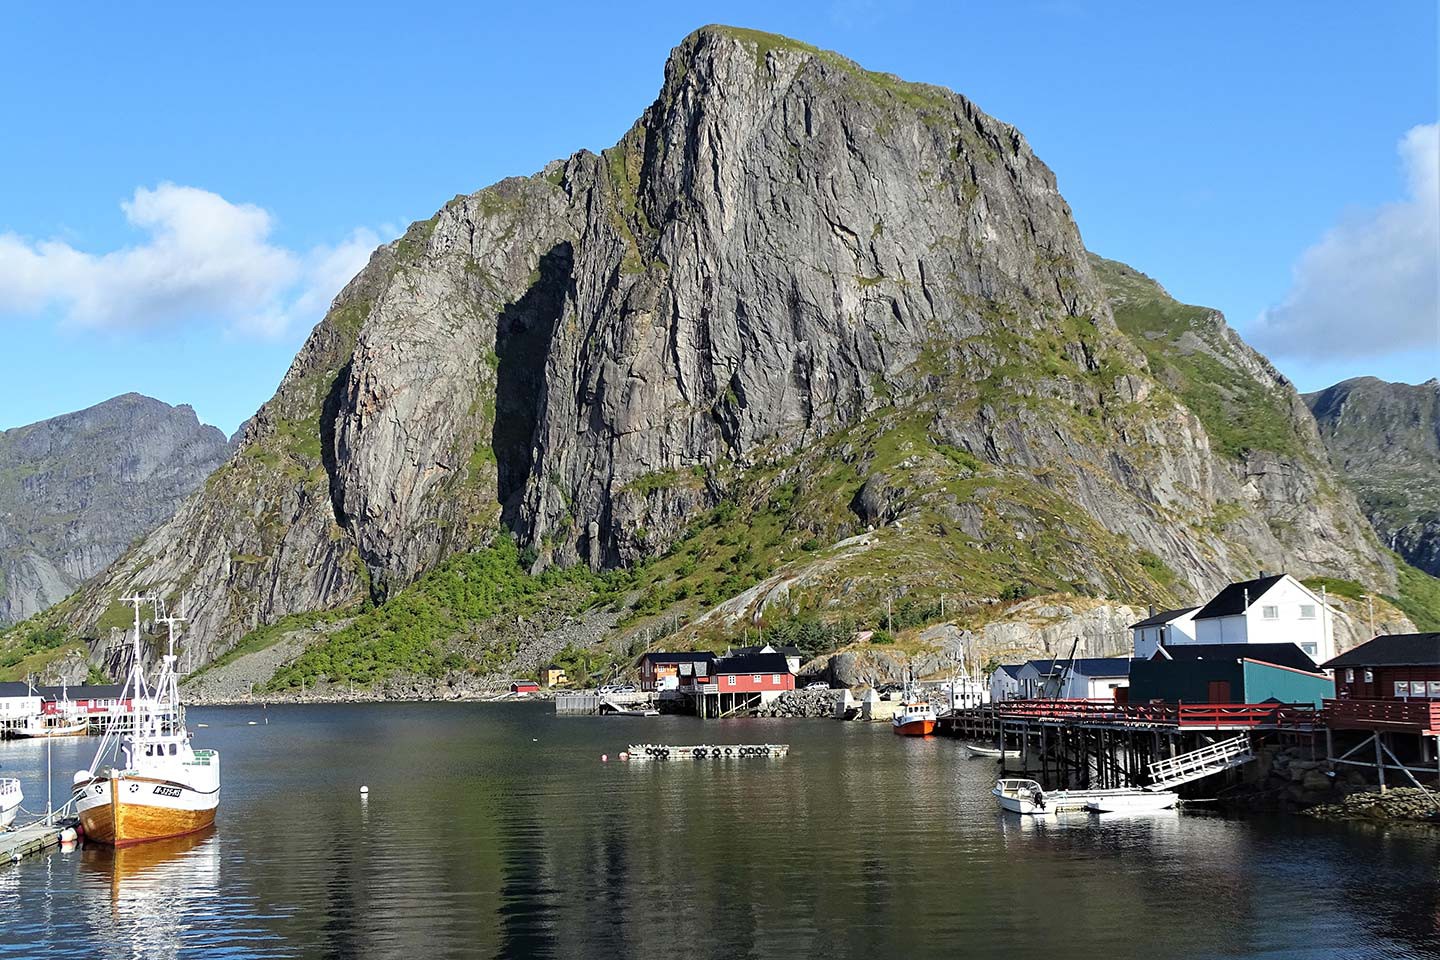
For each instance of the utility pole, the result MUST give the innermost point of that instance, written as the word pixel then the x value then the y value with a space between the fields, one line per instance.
pixel 1370 599
pixel 942 607
pixel 889 620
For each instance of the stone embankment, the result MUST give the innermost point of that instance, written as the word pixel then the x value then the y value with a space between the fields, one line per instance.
pixel 1398 804
pixel 802 703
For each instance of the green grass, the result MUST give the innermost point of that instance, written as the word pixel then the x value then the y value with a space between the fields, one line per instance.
pixel 272 633
pixel 1238 412
pixel 1335 586
pixel 423 629
pixel 1418 596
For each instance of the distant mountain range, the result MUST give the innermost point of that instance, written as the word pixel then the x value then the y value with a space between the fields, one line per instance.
pixel 78 489
pixel 1385 438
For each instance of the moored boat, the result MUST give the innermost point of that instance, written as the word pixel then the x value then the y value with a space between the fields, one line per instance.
pixel 992 753
pixel 11 797
pixel 1133 801
pixel 37 727
pixel 914 718
pixel 1028 797
pixel 157 786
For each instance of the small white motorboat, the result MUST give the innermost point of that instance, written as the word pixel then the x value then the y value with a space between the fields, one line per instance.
pixel 10 799
pixel 1133 801
pixel 992 753
pixel 1022 796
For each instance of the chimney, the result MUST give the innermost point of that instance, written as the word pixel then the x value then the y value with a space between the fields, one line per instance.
pixel 1263 574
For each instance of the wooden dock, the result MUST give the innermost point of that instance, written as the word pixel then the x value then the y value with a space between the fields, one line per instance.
pixel 15 845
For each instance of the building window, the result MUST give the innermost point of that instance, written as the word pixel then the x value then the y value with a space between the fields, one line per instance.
pixel 755 678
pixel 1402 688
pixel 1435 689
pixel 775 679
pixel 1270 612
pixel 1307 611
pixel 1310 649
pixel 1350 675
pixel 1369 675
pixel 731 679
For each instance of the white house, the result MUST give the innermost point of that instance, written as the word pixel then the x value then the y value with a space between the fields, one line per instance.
pixel 1005 682
pixel 18 701
pixel 1168 626
pixel 1269 609
pixel 1084 678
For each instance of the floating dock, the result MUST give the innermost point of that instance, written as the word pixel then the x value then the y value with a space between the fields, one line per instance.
pixel 18 844
pixel 705 751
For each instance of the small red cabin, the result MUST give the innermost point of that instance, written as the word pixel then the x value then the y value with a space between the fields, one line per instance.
pixel 524 686
pixel 1397 666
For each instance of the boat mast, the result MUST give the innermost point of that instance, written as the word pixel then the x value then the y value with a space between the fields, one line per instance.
pixel 167 686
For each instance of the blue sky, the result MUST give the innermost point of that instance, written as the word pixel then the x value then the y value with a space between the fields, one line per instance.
pixel 1248 156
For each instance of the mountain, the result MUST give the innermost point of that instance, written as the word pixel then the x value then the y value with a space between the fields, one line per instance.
pixel 811 346
pixel 1385 439
pixel 78 489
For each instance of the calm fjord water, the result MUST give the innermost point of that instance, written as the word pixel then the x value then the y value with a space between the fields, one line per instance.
pixel 494 830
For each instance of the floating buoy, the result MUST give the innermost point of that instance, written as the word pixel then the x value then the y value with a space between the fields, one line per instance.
pixel 251 724
pixel 364 791
pixel 624 756
pixel 604 758
pixel 68 835
pixel 202 724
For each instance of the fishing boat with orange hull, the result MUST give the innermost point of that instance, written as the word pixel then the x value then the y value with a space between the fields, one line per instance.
pixel 158 786
pixel 914 718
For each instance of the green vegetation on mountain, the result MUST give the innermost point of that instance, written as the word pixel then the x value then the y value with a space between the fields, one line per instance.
pixel 1190 351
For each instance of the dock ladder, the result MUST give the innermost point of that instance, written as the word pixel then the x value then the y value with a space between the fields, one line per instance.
pixel 1196 764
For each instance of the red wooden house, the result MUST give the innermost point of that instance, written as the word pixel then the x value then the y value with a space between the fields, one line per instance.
pixel 1398 666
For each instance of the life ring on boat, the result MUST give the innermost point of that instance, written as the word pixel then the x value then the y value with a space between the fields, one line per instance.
pixel 698 752
pixel 727 751
pixel 762 751
pixel 665 752
pixel 649 751
pixel 715 751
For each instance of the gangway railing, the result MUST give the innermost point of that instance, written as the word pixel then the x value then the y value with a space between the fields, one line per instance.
pixel 1197 764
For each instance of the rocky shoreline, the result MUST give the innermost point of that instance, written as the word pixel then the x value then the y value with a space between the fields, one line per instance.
pixel 1397 804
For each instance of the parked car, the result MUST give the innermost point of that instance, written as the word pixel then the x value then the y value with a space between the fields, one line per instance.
pixel 817 685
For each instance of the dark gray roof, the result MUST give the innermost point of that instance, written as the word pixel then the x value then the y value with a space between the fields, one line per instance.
pixel 1165 616
pixel 753 663
pixel 685 656
pixel 1012 669
pixel 15 689
pixel 1231 600
pixel 783 650
pixel 1393 650
pixel 1086 666
pixel 1280 654
pixel 84 691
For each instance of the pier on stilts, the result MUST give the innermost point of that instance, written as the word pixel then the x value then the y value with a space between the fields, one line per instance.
pixel 1104 745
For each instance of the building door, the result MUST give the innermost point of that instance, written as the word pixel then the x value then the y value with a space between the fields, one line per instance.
pixel 1219 691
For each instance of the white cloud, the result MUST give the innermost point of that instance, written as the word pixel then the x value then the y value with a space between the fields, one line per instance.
pixel 203 259
pixel 1370 286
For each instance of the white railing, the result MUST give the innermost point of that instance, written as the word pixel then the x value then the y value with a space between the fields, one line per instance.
pixel 1196 764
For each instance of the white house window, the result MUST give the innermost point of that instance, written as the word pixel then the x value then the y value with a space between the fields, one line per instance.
pixel 1307 611
pixel 731 679
pixel 775 679
pixel 755 678
pixel 1270 612
pixel 1309 648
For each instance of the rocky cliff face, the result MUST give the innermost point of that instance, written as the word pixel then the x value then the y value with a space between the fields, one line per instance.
pixel 823 297
pixel 77 490
pixel 1385 439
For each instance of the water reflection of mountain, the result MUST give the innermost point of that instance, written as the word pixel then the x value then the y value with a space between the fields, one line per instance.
pixel 146 898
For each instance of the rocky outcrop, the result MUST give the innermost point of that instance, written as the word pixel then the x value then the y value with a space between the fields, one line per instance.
pixel 1385 438
pixel 78 489
pixel 792 274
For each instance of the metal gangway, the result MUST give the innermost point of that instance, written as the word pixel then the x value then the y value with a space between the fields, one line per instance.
pixel 1197 764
